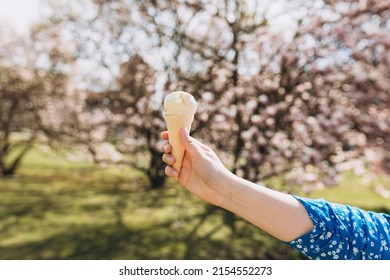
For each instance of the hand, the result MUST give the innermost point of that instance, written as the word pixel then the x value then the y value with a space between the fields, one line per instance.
pixel 202 173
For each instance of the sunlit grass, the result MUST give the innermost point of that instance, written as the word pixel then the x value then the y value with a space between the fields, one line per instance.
pixel 55 208
pixel 352 191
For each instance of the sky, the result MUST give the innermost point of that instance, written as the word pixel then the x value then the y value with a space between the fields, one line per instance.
pixel 19 13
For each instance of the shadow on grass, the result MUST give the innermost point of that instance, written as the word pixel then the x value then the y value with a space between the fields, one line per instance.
pixel 57 211
pixel 55 216
pixel 120 242
pixel 91 242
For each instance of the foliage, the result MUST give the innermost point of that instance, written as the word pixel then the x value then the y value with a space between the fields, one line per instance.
pixel 26 96
pixel 18 99
pixel 135 125
pixel 302 101
pixel 291 93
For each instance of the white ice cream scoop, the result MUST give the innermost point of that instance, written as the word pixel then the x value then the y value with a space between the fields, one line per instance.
pixel 179 102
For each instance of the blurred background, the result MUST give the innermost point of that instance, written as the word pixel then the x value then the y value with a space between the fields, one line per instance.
pixel 291 94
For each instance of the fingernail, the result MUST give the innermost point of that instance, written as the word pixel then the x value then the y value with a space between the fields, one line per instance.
pixel 170 159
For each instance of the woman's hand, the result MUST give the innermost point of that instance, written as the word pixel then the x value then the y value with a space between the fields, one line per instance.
pixel 202 173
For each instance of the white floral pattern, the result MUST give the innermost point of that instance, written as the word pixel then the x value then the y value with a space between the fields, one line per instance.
pixel 344 232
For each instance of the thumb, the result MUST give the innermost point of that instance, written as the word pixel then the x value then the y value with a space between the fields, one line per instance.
pixel 189 142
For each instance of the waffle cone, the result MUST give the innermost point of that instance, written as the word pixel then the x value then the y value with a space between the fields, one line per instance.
pixel 174 124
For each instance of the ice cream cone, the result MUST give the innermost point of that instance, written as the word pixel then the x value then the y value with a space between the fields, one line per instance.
pixel 179 110
pixel 175 122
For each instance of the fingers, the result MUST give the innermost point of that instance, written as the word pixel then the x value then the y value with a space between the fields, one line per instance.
pixel 171 172
pixel 168 159
pixel 164 135
pixel 167 148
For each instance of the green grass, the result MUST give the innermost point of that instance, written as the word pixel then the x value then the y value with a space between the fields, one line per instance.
pixel 58 209
pixel 353 192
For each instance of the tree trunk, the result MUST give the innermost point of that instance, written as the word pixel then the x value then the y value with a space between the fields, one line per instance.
pixel 7 172
pixel 14 165
pixel 156 172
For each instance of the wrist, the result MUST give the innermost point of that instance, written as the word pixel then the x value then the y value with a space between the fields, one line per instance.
pixel 226 190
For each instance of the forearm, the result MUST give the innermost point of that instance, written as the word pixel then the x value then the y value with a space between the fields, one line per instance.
pixel 279 214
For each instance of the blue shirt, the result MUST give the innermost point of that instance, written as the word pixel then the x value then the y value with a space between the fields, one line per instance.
pixel 344 232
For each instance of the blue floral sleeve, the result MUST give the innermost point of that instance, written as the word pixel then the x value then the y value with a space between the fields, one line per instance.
pixel 344 232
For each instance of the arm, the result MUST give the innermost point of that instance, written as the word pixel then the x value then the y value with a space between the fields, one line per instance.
pixel 277 213
pixel 204 175
pixel 317 228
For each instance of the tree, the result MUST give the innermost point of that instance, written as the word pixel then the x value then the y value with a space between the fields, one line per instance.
pixel 136 124
pixel 17 113
pixel 311 107
pixel 26 94
pixel 360 32
pixel 281 105
pixel 190 60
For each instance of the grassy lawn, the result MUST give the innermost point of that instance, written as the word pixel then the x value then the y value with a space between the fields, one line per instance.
pixel 57 209
pixel 353 192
